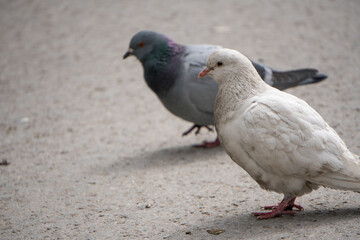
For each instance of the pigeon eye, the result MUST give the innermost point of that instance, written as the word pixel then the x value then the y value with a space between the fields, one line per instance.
pixel 219 64
pixel 141 44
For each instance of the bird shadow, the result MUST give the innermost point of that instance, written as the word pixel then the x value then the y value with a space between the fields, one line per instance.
pixel 248 227
pixel 164 157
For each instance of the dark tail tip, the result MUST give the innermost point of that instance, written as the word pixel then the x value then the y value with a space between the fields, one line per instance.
pixel 319 77
pixel 315 79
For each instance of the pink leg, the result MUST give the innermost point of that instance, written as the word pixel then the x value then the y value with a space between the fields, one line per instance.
pixel 284 207
pixel 208 144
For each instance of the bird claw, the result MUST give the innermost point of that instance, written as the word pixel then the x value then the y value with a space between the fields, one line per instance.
pixel 197 127
pixel 266 215
pixel 204 144
pixel 284 208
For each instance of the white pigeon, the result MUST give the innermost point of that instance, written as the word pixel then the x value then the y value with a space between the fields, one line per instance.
pixel 283 143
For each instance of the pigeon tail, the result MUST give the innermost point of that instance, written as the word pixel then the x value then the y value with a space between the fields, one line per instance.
pixel 288 79
pixel 317 78
pixel 338 181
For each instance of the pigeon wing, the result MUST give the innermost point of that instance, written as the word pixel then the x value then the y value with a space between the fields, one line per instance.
pixel 292 139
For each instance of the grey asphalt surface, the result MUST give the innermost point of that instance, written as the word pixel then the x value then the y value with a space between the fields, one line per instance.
pixel 92 153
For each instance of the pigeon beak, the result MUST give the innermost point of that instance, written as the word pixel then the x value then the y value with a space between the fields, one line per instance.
pixel 128 53
pixel 204 72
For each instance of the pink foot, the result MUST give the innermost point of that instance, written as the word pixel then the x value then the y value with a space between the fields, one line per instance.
pixel 208 144
pixel 284 208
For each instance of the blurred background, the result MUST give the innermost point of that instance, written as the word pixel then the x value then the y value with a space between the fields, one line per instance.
pixel 87 150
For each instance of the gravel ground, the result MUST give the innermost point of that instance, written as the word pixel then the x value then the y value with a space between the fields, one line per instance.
pixel 92 154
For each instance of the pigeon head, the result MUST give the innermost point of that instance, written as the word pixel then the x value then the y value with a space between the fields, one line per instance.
pixel 223 62
pixel 160 58
pixel 144 42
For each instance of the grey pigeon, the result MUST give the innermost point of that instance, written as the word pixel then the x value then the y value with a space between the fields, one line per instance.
pixel 283 143
pixel 171 69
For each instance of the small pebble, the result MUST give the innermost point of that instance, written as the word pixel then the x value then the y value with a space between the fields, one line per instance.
pixel 4 162
pixel 24 120
pixel 215 231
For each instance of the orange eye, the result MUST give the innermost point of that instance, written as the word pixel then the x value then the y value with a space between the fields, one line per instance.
pixel 141 44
